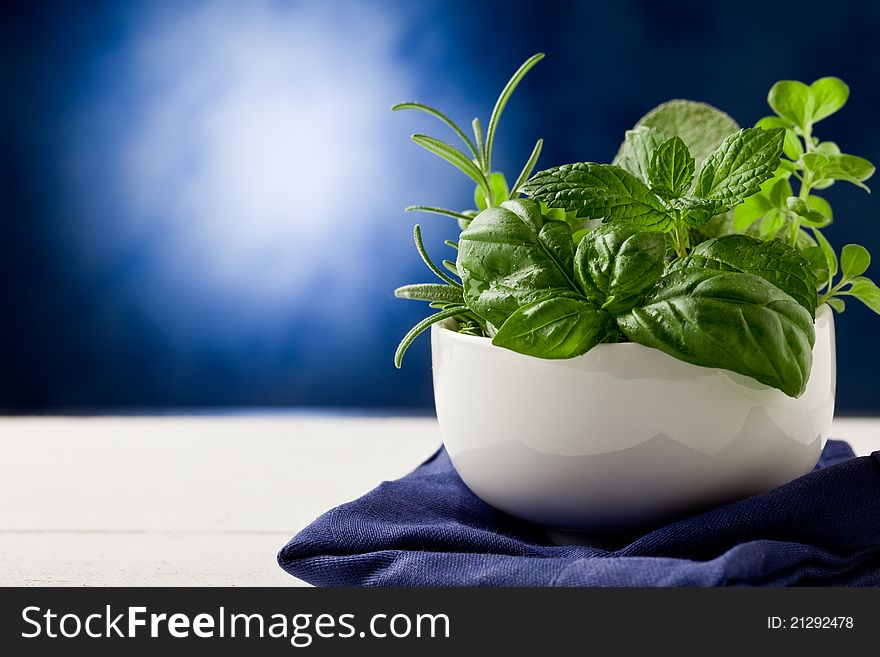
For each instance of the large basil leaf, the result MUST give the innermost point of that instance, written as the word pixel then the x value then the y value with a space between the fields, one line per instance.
pixel 728 320
pixel 509 257
pixel 559 327
pixel 599 191
pixel 617 264
pixel 774 261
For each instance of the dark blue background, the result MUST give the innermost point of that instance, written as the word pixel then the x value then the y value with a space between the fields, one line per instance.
pixel 151 256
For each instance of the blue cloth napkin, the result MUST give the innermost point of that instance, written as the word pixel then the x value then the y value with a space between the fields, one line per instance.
pixel 428 529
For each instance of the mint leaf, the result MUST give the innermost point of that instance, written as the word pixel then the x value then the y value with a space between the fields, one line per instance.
pixel 828 95
pixel 637 151
pixel 701 126
pixel 737 168
pixel 728 320
pixel 868 293
pixel 793 101
pixel 599 191
pixel 672 168
pixel 508 258
pixel 560 327
pixel 774 261
pixel 617 264
pixel 854 260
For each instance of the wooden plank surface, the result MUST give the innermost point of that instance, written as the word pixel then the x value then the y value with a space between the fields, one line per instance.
pixel 196 500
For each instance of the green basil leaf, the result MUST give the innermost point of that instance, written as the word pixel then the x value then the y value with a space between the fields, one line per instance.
pixel 617 264
pixel 774 261
pixel 793 101
pixel 556 237
pixel 672 168
pixel 837 303
pixel 868 293
pixel 507 259
pixel 744 161
pixel 701 126
pixel 854 260
pixel 828 95
pixel 558 327
pixel 727 320
pixel 637 151
pixel 599 191
pixel 433 292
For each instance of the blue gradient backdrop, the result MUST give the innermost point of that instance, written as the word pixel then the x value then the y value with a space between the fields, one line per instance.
pixel 202 201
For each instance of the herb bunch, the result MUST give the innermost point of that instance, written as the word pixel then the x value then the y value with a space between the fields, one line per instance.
pixel 691 241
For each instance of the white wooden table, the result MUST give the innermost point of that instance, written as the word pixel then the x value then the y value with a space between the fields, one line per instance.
pixel 199 500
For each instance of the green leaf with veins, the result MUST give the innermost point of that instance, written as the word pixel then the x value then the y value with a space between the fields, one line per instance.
pixel 557 327
pixel 599 191
pixel 728 320
pixel 508 257
pixel 637 151
pixel 774 261
pixel 738 168
pixel 672 168
pixel 617 264
pixel 701 126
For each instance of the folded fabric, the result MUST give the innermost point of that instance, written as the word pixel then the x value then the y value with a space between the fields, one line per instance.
pixel 428 529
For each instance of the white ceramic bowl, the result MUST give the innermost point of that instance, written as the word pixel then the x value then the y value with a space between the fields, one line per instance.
pixel 623 435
